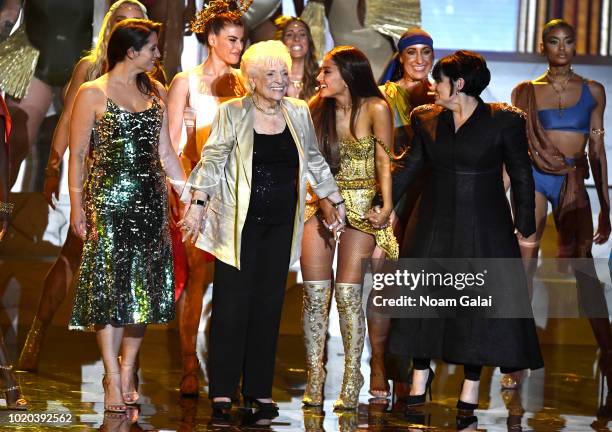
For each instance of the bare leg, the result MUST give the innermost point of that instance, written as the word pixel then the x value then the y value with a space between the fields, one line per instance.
pixel 27 115
pixel 190 312
pixel 530 246
pixel 55 287
pixel 378 330
pixel 530 249
pixel 109 342
pixel 130 345
pixel 12 391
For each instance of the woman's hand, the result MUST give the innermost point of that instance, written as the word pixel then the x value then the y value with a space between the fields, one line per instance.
pixel 379 217
pixel 174 203
pixel 193 222
pixel 334 215
pixel 51 188
pixel 78 223
pixel 603 229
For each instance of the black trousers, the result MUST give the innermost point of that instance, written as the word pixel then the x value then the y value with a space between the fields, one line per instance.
pixel 246 310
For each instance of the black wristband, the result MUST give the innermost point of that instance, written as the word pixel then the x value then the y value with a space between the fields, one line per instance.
pixel 198 202
pixel 339 203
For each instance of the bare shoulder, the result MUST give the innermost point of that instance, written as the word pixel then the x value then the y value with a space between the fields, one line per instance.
pixel 161 89
pixel 597 89
pixel 93 91
pixel 81 68
pixel 180 80
pixel 376 106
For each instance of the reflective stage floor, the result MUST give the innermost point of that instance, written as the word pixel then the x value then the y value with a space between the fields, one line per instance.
pixel 564 396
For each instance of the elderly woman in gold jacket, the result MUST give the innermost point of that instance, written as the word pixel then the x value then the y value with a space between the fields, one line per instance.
pixel 247 209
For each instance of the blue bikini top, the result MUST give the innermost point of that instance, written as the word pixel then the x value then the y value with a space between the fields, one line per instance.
pixel 576 118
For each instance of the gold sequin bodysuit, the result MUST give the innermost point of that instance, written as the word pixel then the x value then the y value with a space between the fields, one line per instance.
pixel 356 179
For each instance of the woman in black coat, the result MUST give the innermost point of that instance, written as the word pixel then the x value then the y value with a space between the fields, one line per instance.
pixel 464 214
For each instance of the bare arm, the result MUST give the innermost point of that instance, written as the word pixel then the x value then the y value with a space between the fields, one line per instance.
pixel 62 131
pixel 8 17
pixel 177 101
pixel 383 130
pixel 88 99
pixel 167 154
pixel 598 161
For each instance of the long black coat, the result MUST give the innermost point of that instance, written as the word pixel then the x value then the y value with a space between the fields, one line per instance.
pixel 464 213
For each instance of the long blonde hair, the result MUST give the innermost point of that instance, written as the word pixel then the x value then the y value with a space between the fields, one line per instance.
pixel 97 56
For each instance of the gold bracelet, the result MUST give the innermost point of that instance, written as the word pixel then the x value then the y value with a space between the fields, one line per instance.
pixel 599 132
pixel 73 189
pixel 6 207
pixel 51 172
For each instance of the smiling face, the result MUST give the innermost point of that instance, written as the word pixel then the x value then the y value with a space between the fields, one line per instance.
pixel 126 11
pixel 331 83
pixel 147 57
pixel 228 43
pixel 444 91
pixel 270 80
pixel 559 46
pixel 296 39
pixel 417 61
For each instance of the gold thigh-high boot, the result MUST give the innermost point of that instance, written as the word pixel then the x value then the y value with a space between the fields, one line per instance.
pixel 352 327
pixel 317 295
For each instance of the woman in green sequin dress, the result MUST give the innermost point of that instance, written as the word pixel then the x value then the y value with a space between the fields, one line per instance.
pixel 126 274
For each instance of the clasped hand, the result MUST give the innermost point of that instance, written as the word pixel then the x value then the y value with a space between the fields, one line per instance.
pixel 193 222
pixel 379 217
pixel 334 218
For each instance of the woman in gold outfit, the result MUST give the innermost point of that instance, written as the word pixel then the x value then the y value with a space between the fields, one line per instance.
pixel 355 130
pixel 405 85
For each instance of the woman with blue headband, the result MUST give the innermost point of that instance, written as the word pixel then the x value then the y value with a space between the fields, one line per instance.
pixel 405 85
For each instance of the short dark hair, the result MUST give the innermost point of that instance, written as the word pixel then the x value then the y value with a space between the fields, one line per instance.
pixel 468 65
pixel 556 24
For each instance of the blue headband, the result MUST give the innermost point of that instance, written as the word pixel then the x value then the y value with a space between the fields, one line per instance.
pixel 417 39
pixel 403 43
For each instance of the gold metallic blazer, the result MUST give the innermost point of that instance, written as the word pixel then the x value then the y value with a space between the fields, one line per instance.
pixel 224 173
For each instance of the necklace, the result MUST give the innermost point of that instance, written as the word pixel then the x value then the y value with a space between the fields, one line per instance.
pixel 259 108
pixel 563 85
pixel 344 108
pixel 298 84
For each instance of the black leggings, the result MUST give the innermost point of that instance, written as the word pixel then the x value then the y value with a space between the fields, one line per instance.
pixel 246 310
pixel 470 372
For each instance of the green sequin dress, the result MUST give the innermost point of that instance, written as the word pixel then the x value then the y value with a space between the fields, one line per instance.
pixel 126 274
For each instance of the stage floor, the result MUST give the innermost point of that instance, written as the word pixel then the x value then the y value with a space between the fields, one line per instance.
pixel 565 396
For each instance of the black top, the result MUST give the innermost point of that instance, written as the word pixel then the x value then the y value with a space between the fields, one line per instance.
pixel 61 30
pixel 274 181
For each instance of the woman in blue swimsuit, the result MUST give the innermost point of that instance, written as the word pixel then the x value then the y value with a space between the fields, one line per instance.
pixel 564 114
